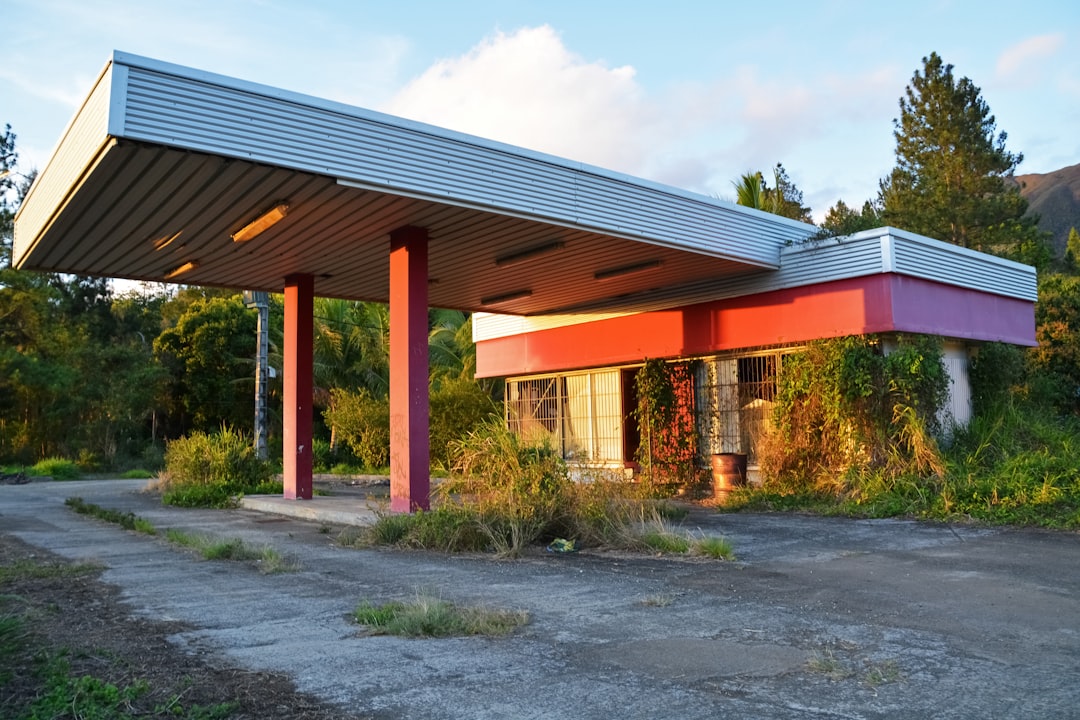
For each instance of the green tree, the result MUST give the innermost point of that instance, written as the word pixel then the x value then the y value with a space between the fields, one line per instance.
pixel 750 191
pixel 1056 360
pixel 843 220
pixel 352 353
pixel 1072 251
pixel 451 351
pixel 783 198
pixel 209 356
pixel 952 179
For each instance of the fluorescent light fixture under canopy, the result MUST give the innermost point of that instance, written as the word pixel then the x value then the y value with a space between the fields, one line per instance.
pixel 181 269
pixel 528 253
pixel 624 270
pixel 506 297
pixel 262 223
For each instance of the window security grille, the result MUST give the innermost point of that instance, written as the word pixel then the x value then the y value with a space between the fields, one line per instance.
pixel 580 414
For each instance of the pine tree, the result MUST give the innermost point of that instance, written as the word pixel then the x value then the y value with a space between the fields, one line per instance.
pixel 953 174
pixel 1072 251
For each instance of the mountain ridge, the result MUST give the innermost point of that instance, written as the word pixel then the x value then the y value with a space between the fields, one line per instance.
pixel 1055 198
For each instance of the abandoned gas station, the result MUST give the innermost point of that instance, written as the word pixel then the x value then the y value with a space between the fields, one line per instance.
pixel 574 273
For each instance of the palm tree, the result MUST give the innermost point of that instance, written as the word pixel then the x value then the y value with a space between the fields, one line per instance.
pixel 750 191
pixel 352 350
pixel 451 352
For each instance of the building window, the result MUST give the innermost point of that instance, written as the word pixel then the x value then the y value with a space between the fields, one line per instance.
pixel 736 396
pixel 581 414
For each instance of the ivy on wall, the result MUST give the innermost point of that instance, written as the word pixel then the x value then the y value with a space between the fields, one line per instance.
pixel 667 425
pixel 844 406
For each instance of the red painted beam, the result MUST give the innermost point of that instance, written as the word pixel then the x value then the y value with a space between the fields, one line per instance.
pixel 873 304
pixel 410 461
pixel 298 391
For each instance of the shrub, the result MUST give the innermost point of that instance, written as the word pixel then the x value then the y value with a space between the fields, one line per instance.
pixel 204 470
pixel 458 407
pixel 57 468
pixel 363 423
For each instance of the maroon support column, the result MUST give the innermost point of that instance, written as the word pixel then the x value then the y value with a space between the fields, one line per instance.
pixel 409 445
pixel 298 395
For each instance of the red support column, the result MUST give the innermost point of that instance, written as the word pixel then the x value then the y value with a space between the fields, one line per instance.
pixel 298 392
pixel 410 481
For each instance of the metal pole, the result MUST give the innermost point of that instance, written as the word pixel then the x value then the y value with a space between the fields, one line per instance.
pixel 263 377
pixel 260 301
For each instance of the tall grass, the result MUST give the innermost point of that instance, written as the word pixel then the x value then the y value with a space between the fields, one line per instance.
pixel 1017 463
pixel 507 495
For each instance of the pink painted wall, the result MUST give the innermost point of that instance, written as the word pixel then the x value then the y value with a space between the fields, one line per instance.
pixel 873 304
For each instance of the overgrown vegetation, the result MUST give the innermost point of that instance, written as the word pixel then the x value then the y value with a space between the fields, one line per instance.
pixel 212 470
pixel 428 616
pixel 667 454
pixel 1016 462
pixel 845 411
pixel 507 495
pixel 56 468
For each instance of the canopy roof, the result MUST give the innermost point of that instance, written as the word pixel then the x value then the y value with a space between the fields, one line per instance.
pixel 163 164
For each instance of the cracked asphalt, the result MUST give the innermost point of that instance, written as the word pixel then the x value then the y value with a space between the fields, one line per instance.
pixel 816 618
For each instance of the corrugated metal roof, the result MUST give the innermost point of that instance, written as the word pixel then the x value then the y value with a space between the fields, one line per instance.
pixel 163 163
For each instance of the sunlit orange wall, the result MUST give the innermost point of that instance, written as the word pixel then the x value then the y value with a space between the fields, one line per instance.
pixel 878 303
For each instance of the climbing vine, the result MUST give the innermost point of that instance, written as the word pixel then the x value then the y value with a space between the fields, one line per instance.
pixel 845 407
pixel 666 422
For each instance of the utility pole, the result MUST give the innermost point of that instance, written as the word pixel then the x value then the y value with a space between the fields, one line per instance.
pixel 260 301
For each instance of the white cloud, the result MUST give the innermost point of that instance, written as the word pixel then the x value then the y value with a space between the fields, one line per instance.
pixel 526 88
pixel 1018 65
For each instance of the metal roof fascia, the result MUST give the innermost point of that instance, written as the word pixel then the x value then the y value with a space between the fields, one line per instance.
pixel 770 231
pixel 85 138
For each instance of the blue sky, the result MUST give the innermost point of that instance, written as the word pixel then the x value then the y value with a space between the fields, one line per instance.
pixel 685 92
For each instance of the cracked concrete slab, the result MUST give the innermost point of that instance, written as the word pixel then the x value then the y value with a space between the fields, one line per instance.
pixel 818 617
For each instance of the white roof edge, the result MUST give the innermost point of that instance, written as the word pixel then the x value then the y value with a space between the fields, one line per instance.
pixel 829 260
pixel 888 230
pixel 151 64
pixel 101 77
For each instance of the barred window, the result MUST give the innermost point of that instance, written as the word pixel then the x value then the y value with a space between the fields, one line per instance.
pixel 581 413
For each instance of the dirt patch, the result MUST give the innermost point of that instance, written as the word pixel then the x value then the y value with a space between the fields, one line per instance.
pixel 80 616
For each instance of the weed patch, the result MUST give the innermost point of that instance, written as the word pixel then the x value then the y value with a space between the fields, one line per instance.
pixel 126 520
pixel 268 560
pixel 427 616
pixel 665 541
pixel 716 548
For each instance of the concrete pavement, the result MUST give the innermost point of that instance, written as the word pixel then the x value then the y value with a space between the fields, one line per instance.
pixel 818 617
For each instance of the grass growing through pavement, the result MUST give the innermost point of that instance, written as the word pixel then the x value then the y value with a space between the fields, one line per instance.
pixel 428 616
pixel 269 560
pixel 126 520
pixel 26 569
pixel 665 541
pixel 717 548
